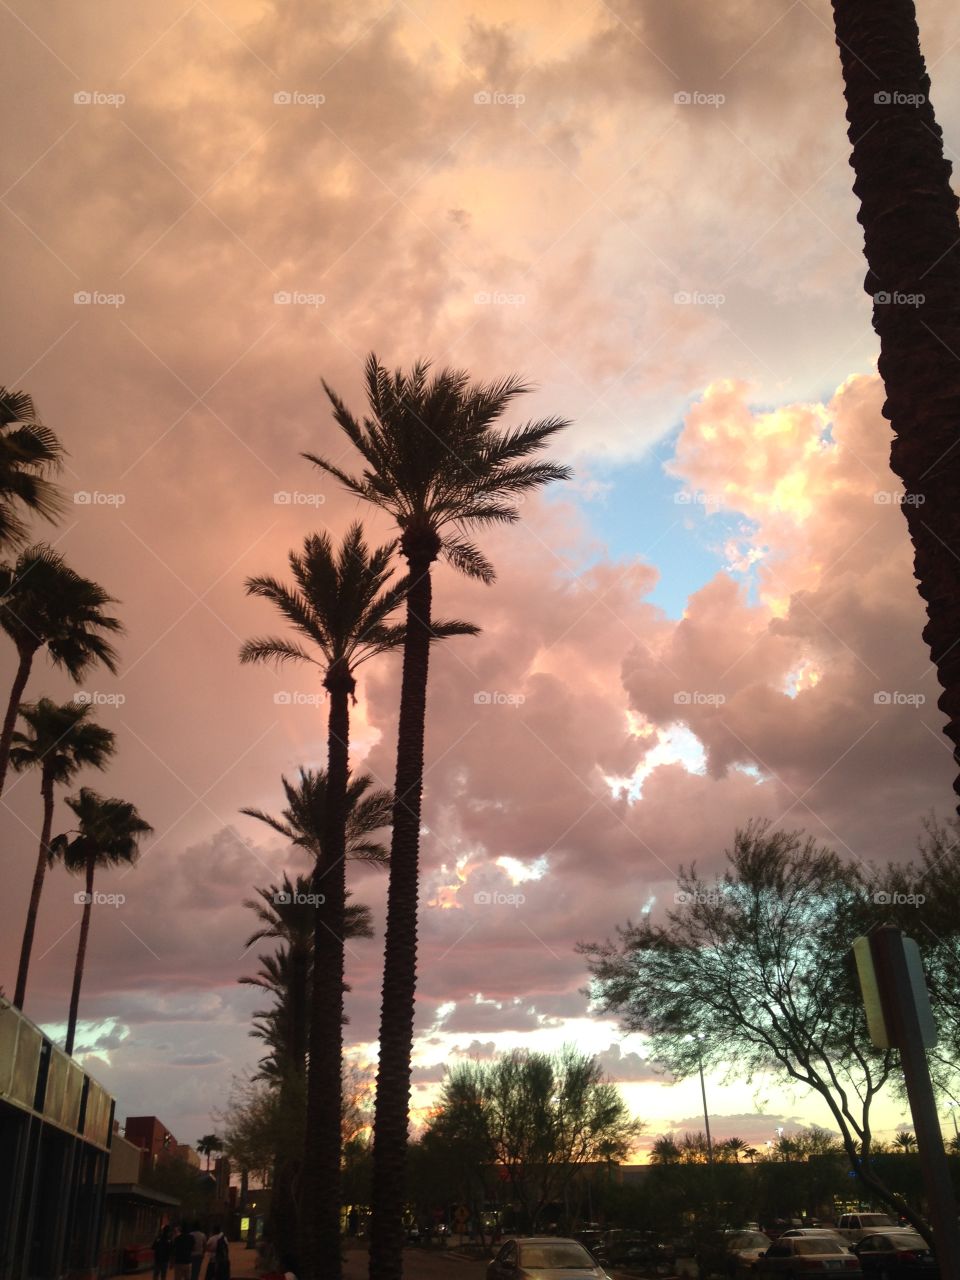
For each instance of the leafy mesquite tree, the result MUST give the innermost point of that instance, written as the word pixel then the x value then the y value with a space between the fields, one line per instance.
pixel 752 968
pixel 436 461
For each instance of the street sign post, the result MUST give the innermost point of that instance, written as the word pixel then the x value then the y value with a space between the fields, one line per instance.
pixel 899 1016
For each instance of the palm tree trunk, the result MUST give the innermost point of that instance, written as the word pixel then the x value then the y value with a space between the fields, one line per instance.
pixel 13 706
pixel 46 791
pixel 81 958
pixel 909 216
pixel 322 1181
pixel 391 1114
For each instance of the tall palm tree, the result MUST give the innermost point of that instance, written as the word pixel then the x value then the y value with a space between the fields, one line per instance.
pixel 62 740
pixel 46 604
pixel 208 1146
pixel 435 461
pixel 341 604
pixel 912 245
pixel 29 452
pixel 904 1141
pixel 108 834
pixel 304 823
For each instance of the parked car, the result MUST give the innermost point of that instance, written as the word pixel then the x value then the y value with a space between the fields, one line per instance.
pixel 898 1252
pixel 854 1226
pixel 638 1249
pixel 731 1253
pixel 541 1258
pixel 819 1233
pixel 801 1255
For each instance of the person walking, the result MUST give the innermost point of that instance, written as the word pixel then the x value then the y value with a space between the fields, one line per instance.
pixel 196 1257
pixel 162 1244
pixel 218 1256
pixel 182 1253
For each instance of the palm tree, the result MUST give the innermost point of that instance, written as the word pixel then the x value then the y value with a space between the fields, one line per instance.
pixel 735 1148
pixel 62 740
pixel 29 451
pixel 108 835
pixel 435 461
pixel 44 603
pixel 208 1146
pixel 287 912
pixel 341 604
pixel 904 1141
pixel 665 1151
pixel 911 235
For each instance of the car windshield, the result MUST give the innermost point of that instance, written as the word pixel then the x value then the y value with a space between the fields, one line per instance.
pixel 548 1257
pixel 815 1244
pixel 749 1240
pixel 908 1240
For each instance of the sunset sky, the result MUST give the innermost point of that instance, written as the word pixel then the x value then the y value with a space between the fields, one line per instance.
pixel 642 206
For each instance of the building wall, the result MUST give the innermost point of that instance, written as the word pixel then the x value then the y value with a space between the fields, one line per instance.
pixel 124 1161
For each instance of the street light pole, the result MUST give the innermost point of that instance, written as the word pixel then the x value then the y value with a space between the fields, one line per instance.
pixel 706 1114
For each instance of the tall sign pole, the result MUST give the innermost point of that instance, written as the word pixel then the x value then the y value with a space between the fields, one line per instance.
pixel 899 1016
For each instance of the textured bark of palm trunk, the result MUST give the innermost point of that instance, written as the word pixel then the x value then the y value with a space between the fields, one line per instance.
pixel 909 215
pixel 10 719
pixel 322 1198
pixel 400 951
pixel 80 961
pixel 46 791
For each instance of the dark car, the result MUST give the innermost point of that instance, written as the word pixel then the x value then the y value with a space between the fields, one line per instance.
pixel 731 1253
pixel 544 1258
pixel 898 1252
pixel 803 1255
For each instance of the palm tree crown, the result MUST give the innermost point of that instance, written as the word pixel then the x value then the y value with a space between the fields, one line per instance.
pixel 29 451
pixel 302 821
pixel 43 602
pixel 62 739
pixel 341 602
pixel 108 833
pixel 436 461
